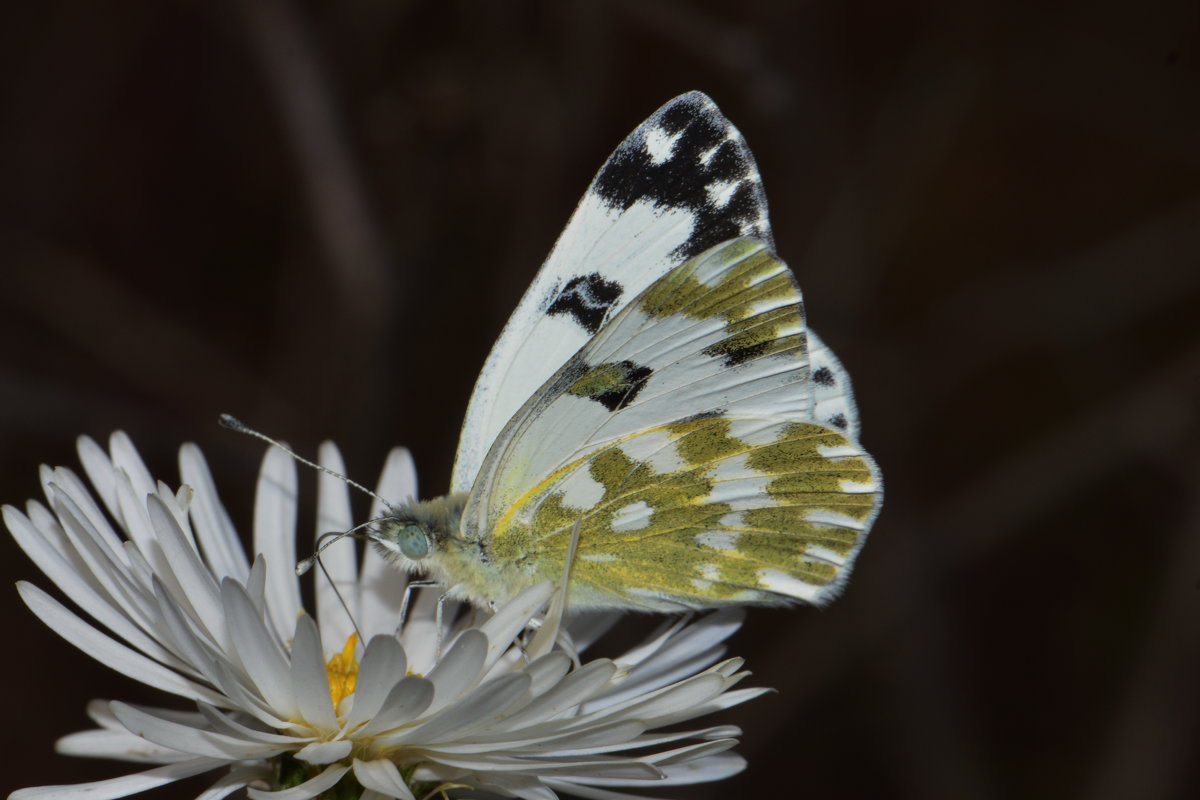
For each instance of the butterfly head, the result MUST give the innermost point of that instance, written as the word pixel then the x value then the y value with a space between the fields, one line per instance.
pixel 416 529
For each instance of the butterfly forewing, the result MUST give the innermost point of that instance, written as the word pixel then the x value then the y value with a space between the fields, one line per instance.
pixel 683 181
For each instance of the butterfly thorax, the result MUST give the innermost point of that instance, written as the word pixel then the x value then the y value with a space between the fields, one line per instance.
pixel 426 536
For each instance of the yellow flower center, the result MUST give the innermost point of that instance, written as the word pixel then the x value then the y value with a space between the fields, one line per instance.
pixel 342 671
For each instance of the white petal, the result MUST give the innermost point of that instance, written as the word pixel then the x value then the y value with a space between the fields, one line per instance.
pixel 109 652
pixel 174 628
pixel 231 727
pixel 125 458
pixel 459 668
pixel 188 739
pixel 545 672
pixel 382 585
pixel 275 537
pixel 512 618
pixel 407 700
pixel 382 661
pixel 526 787
pixel 199 588
pixel 233 681
pixel 574 689
pixel 421 637
pixel 235 780
pixel 684 653
pixel 714 767
pixel 257 650
pixel 309 789
pixel 325 752
pixel 680 697
pixel 99 469
pixel 310 683
pixel 119 787
pixel 398 481
pixel 67 577
pixel 629 769
pixel 476 710
pixel 119 745
pixel 382 776
pixel 81 498
pixel 551 740
pixel 721 702
pixel 339 559
pixel 215 531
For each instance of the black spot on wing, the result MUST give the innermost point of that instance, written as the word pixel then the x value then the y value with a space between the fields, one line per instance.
pixel 613 384
pixel 838 421
pixel 737 353
pixel 709 152
pixel 823 376
pixel 587 299
pixel 622 395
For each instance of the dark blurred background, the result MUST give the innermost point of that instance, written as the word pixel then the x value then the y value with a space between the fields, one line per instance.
pixel 317 216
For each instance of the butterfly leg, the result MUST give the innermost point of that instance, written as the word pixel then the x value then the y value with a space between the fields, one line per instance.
pixel 406 601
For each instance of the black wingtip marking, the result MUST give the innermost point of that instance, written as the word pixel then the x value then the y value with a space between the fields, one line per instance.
pixel 587 299
pixel 823 376
pixel 708 151
pixel 839 421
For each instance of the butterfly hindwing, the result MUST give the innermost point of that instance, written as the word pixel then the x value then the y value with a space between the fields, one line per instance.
pixel 683 181
pixel 702 512
pixel 833 396
pixel 692 390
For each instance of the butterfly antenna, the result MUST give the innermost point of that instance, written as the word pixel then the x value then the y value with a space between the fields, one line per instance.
pixel 345 607
pixel 234 424
pixel 323 541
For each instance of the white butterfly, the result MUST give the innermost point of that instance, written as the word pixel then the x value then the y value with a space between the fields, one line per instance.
pixel 657 395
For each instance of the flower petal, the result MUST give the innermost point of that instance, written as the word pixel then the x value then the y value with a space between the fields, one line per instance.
pixel 107 651
pixel 512 618
pixel 119 787
pixel 381 775
pixel 571 691
pixel 189 739
pixel 310 683
pixel 275 537
pixel 472 712
pixel 197 583
pixel 257 650
pixel 214 530
pixel 339 560
pixel 67 577
pixel 407 700
pixel 309 789
pixel 459 669
pixel 230 783
pixel 119 745
pixel 325 752
pixel 382 586
pixel 382 661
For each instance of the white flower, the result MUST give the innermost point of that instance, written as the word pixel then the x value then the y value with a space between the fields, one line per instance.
pixel 291 705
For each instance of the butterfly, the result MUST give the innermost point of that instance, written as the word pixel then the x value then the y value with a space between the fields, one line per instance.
pixel 656 406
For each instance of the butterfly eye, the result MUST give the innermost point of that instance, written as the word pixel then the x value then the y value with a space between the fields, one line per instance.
pixel 413 542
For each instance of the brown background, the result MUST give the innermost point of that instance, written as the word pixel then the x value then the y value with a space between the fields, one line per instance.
pixel 318 216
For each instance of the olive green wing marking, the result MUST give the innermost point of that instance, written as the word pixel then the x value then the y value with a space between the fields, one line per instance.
pixel 702 512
